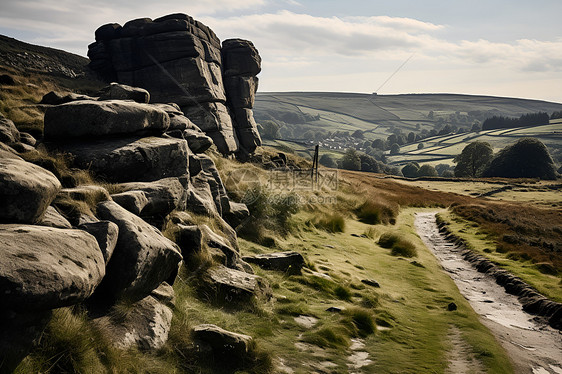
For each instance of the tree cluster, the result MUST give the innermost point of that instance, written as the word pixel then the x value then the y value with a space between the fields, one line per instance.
pixel 530 119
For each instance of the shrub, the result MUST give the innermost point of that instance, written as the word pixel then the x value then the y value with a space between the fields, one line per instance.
pixel 342 293
pixel 404 248
pixel 332 223
pixel 373 213
pixel 387 240
pixel 362 320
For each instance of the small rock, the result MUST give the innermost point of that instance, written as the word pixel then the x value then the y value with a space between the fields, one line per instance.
pixel 334 309
pixel 233 287
pixel 283 261
pixel 451 307
pixel 225 345
pixel 371 282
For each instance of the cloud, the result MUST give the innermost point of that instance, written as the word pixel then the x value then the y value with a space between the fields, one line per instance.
pixel 282 34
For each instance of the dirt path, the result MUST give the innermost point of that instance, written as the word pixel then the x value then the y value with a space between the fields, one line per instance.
pixel 534 348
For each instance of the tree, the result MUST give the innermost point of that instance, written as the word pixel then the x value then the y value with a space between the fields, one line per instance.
pixel 472 160
pixel 411 170
pixel 441 168
pixel 269 130
pixel 427 171
pixel 528 158
pixel 358 134
pixel 420 146
pixel 351 160
pixel 327 161
pixel 411 137
pixel 394 149
pixel 379 144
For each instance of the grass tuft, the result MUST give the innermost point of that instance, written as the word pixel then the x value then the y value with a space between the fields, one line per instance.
pixel 387 240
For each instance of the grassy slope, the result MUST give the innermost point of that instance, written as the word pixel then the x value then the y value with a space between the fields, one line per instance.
pixel 411 302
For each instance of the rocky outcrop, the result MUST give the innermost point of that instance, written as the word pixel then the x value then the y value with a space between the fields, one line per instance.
pixel 44 268
pixel 26 190
pixel 241 64
pixel 179 60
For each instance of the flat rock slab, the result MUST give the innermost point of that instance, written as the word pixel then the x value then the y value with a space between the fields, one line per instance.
pixel 45 268
pixel 90 118
pixel 283 261
pixel 234 286
pixel 131 159
pixel 26 190
pixel 142 259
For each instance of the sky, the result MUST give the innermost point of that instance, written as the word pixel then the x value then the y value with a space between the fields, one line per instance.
pixel 496 47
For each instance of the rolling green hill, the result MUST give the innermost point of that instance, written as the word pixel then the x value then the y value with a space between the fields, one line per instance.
pixel 378 116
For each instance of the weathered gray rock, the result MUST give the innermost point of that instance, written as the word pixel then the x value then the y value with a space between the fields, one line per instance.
pixel 143 257
pixel 240 57
pixel 291 262
pixel 234 286
pixel 58 98
pixel 197 140
pixel 106 234
pixel 225 345
pixel 131 159
pixel 133 201
pixel 116 91
pixel 81 119
pixel 147 323
pixel 46 268
pixel 216 241
pixel 237 213
pixel 53 218
pixel 8 132
pixel 241 90
pixel 242 63
pixel 200 199
pixel 163 195
pixel 26 190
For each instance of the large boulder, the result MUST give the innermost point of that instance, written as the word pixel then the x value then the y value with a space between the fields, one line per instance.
pixel 240 57
pixel 146 324
pixel 45 268
pixel 142 259
pixel 87 118
pixel 215 241
pixel 26 190
pixel 131 159
pixel 58 98
pixel 162 196
pixel 133 201
pixel 53 218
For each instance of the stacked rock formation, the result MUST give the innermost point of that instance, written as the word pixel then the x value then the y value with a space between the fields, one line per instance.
pixel 242 64
pixel 178 60
pixel 51 257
